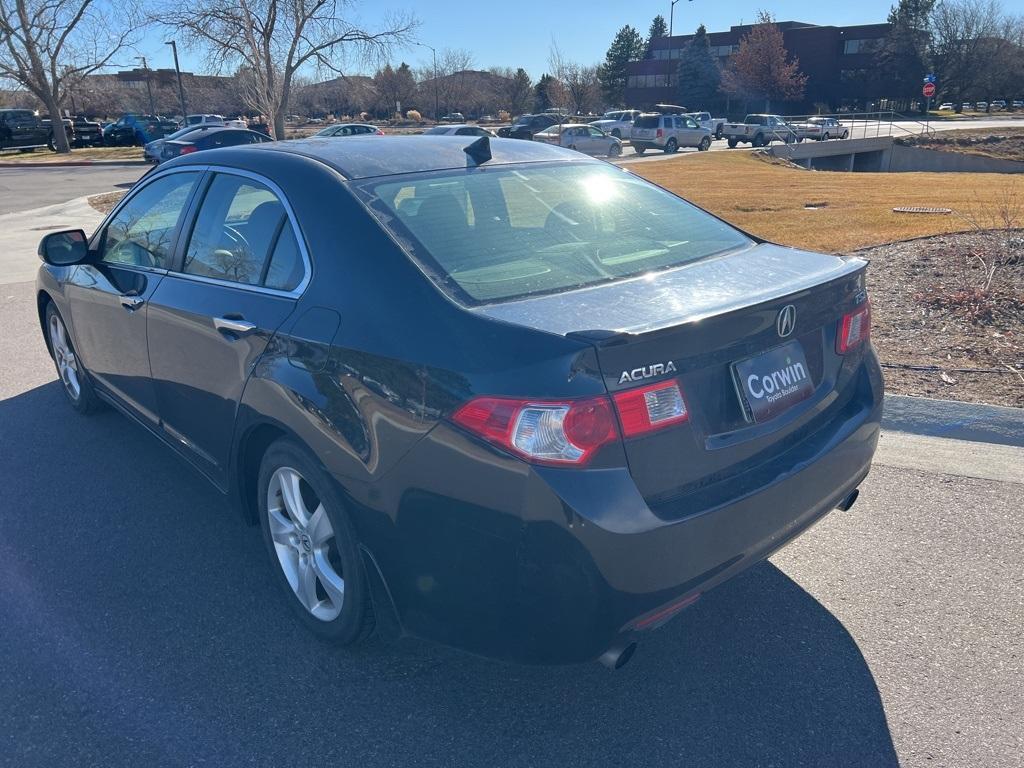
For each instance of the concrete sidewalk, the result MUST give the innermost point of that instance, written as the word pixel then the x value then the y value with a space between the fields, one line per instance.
pixel 21 232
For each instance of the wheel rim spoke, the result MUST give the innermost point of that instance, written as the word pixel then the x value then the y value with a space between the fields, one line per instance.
pixel 306 586
pixel 292 497
pixel 333 584
pixel 319 528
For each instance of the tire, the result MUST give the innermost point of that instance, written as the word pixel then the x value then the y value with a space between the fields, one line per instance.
pixel 733 143
pixel 671 147
pixel 313 527
pixel 614 150
pixel 639 150
pixel 758 141
pixel 573 148
pixel 718 132
pixel 824 137
pixel 705 144
pixel 73 377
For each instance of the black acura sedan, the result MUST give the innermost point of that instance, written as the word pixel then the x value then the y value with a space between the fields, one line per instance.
pixel 487 392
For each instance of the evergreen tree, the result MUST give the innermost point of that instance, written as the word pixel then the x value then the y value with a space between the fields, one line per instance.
pixel 627 46
pixel 520 92
pixel 541 95
pixel 699 73
pixel 658 29
pixel 903 59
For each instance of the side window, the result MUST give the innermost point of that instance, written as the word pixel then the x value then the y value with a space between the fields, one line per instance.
pixel 141 233
pixel 286 268
pixel 238 223
pixel 691 123
pixel 595 133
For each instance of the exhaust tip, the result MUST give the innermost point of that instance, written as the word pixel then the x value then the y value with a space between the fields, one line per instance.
pixel 849 501
pixel 618 654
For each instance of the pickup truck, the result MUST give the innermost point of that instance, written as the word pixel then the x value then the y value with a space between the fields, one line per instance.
pixel 22 129
pixel 713 124
pixel 617 123
pixel 759 131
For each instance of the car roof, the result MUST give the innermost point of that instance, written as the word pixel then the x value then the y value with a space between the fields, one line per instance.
pixel 363 157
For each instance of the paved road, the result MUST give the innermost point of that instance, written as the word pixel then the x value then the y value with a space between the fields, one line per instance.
pixel 858 129
pixel 138 626
pixel 24 188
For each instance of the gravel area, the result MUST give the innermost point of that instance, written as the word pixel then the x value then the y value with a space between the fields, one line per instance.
pixel 938 331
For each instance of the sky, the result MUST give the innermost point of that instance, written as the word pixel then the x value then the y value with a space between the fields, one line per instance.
pixel 519 34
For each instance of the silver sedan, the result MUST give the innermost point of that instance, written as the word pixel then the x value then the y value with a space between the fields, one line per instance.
pixel 582 138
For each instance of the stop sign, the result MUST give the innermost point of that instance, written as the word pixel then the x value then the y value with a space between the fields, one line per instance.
pixel 928 90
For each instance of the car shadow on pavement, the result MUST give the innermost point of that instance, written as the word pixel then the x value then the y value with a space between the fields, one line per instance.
pixel 141 627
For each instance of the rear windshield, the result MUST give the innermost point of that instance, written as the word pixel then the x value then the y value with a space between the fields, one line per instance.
pixel 647 121
pixel 488 235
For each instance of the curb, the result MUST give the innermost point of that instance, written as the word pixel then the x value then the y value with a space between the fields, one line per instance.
pixel 954 420
pixel 77 163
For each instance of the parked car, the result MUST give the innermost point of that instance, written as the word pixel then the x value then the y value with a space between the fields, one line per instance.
pixel 967 106
pixel 22 129
pixel 69 128
pixel 212 138
pixel 582 138
pixel 526 125
pixel 454 117
pixel 593 454
pixel 668 133
pixel 981 106
pixel 713 124
pixel 820 129
pixel 946 107
pixel 759 131
pixel 138 130
pixel 458 130
pixel 1017 104
pixel 204 120
pixel 350 129
pixel 153 150
pixel 88 133
pixel 618 122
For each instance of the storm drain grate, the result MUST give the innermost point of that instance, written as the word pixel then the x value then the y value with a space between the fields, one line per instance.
pixel 920 209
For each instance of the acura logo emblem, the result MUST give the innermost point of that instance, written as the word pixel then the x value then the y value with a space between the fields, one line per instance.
pixel 786 321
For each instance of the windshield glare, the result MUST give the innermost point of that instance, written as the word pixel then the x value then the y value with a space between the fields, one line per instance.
pixel 495 234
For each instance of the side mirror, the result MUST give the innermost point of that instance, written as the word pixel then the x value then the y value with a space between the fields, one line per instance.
pixel 64 249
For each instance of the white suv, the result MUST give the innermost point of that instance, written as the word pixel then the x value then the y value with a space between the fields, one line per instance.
pixel 668 133
pixel 617 123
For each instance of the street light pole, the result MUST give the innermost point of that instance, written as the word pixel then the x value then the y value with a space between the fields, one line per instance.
pixel 433 51
pixel 671 14
pixel 177 70
pixel 149 86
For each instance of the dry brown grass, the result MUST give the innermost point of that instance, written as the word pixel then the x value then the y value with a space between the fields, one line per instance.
pixel 769 199
pixel 85 153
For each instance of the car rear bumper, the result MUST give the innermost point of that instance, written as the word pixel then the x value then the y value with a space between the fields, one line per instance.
pixel 545 565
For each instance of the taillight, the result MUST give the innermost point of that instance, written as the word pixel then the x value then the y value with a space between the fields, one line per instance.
pixel 188 150
pixel 854 329
pixel 544 432
pixel 660 133
pixel 379 132
pixel 646 409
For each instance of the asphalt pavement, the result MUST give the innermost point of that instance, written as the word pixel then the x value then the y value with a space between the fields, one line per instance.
pixel 22 189
pixel 139 626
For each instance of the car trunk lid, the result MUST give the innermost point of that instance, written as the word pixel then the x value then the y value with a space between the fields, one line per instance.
pixel 711 325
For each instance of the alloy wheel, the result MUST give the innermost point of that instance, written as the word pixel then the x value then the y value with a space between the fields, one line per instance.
pixel 64 355
pixel 305 544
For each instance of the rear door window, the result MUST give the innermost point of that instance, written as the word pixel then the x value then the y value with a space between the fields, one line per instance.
pixel 235 232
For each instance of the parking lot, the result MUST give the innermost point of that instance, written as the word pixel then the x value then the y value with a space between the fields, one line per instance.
pixel 140 625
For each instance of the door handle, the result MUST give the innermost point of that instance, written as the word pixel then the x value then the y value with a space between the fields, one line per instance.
pixel 233 325
pixel 131 303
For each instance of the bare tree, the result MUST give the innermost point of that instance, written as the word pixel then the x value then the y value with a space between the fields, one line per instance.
pixel 49 46
pixel 964 33
pixel 272 40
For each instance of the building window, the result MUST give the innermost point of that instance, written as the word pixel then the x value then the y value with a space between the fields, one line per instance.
pixel 631 81
pixel 674 53
pixel 859 46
